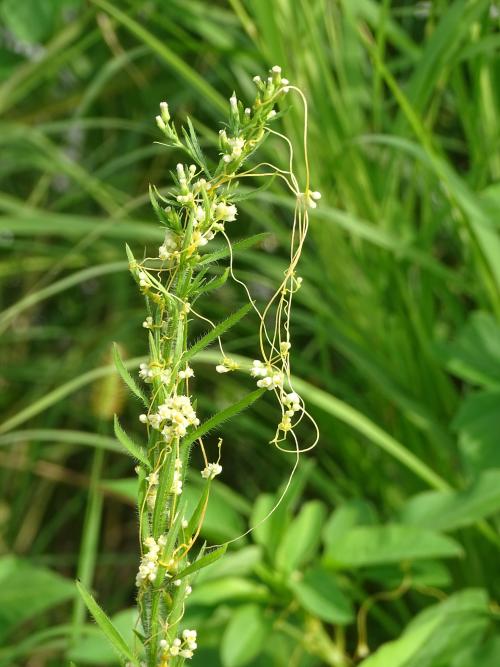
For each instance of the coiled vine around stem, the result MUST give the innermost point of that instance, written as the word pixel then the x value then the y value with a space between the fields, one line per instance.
pixel 198 208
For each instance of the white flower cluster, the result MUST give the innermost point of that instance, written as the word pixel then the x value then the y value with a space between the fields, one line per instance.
pixel 292 403
pixel 211 470
pixel 183 647
pixel 233 145
pixel 169 249
pixel 173 418
pixel 148 568
pixel 148 372
pixel 270 377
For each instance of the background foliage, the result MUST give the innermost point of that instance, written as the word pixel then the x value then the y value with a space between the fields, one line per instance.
pixel 389 538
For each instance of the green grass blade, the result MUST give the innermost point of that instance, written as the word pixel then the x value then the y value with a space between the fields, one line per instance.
pixel 172 59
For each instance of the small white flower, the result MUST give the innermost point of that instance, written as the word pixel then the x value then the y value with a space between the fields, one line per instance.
pixel 220 368
pixel 271 114
pixel 258 369
pixel 211 471
pixel 276 69
pixel 164 111
pixel 143 419
pixel 226 212
pixel 161 123
pixel 188 591
pixel 186 373
pixel 148 322
pixel 186 653
pixel 177 582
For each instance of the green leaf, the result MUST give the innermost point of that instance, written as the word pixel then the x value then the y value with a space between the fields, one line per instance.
pixel 234 589
pixel 478 423
pixel 234 564
pixel 125 375
pixel 475 353
pixel 194 148
pixel 244 636
pixel 348 515
pixel 449 510
pixel 27 590
pixel 103 621
pixel 203 561
pixel 392 543
pixel 221 417
pixel 319 594
pixel 217 331
pixel 434 637
pixel 136 451
pixel 302 537
pixel 214 284
pixel 93 648
pixel 237 246
pixel 30 21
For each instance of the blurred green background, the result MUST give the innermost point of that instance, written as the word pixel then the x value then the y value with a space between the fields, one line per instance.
pixel 389 538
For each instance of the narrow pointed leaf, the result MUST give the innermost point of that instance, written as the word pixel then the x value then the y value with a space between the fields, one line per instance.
pixel 218 330
pixel 202 562
pixel 136 451
pixel 222 416
pixel 107 627
pixel 126 377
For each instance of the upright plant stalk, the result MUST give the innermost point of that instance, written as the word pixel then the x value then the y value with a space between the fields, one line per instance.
pixel 195 211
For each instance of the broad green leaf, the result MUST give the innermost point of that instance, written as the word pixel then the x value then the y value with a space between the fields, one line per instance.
pixel 30 21
pixel 234 589
pixel 136 451
pixel 302 537
pixel 27 590
pixel 422 572
pixel 477 423
pixel 474 355
pixel 351 513
pixel 484 655
pixel 217 331
pixel 398 652
pixel 222 416
pixel 244 636
pixel 436 634
pixel 449 510
pixel 234 564
pixel 103 621
pixel 202 562
pixel 93 648
pixel 126 377
pixel 392 543
pixel 464 618
pixel 319 593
